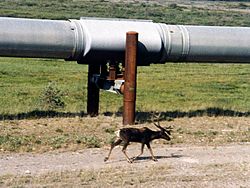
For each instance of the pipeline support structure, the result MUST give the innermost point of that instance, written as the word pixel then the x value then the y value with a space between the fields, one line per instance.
pixel 101 43
pixel 93 91
pixel 129 96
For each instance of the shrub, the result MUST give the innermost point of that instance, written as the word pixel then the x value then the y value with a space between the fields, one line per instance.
pixel 173 5
pixel 51 97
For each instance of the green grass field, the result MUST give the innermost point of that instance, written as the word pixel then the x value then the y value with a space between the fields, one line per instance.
pixel 170 87
pixel 172 13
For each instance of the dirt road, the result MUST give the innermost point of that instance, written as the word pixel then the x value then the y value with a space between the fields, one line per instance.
pixel 225 166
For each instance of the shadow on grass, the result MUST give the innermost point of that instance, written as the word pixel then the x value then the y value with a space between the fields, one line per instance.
pixel 36 114
pixel 141 117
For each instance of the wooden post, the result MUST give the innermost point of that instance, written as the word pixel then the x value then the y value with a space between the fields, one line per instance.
pixel 129 97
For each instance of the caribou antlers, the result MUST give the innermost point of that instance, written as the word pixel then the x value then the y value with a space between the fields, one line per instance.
pixel 168 129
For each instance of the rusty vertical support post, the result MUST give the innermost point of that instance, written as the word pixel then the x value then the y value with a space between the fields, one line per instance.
pixel 129 97
pixel 93 91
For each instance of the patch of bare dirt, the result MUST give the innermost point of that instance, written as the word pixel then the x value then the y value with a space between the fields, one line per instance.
pixel 188 166
pixel 176 157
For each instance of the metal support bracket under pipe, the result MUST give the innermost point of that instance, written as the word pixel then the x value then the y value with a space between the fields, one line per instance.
pixel 94 40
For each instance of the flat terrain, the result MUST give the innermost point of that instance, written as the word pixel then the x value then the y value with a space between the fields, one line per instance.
pixel 206 104
pixel 207 151
pixel 222 166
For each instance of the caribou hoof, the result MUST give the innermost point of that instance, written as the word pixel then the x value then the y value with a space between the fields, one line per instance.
pixel 154 159
pixel 105 159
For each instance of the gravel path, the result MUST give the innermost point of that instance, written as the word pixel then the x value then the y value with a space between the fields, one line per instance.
pixel 184 158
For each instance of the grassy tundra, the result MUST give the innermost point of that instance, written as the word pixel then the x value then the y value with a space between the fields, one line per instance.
pixel 169 87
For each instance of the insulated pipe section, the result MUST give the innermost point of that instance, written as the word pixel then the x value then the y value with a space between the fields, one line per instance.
pixel 206 44
pixel 106 39
pixel 158 43
pixel 37 38
pixel 94 40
